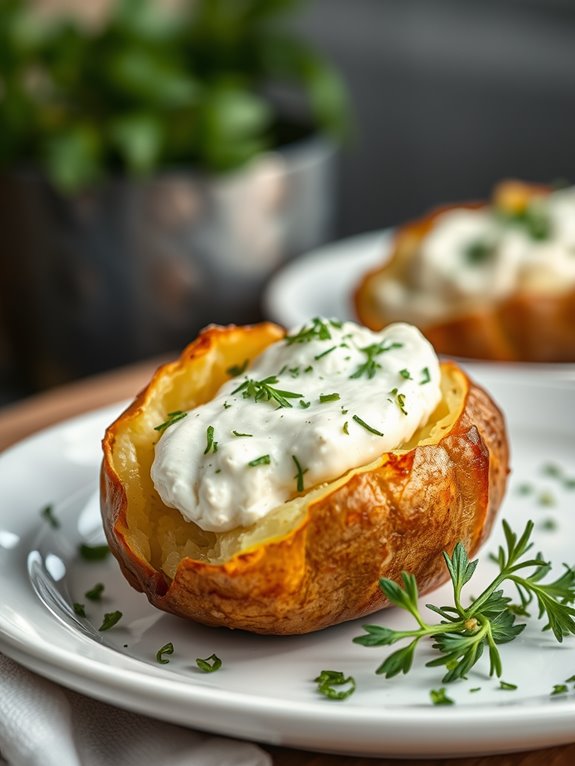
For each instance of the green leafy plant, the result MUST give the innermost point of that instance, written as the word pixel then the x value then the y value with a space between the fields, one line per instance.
pixel 148 88
pixel 489 620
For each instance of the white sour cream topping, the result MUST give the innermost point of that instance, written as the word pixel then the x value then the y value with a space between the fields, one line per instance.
pixel 360 394
pixel 479 255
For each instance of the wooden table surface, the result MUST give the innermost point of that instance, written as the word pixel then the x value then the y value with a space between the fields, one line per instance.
pixel 30 415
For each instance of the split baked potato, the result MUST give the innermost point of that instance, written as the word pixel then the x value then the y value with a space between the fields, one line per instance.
pixel 315 560
pixel 532 324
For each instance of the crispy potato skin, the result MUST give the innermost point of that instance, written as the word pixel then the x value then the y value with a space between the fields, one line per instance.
pixel 525 327
pixel 400 516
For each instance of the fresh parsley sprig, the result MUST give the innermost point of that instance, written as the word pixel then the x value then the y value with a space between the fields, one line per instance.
pixel 466 631
pixel 264 390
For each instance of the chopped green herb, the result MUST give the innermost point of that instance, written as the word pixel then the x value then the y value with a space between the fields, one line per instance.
pixel 546 499
pixel 212 446
pixel 47 513
pixel 263 390
pixel 294 372
pixel 370 367
pixel 304 405
pixel 95 593
pixel 210 664
pixel 299 475
pixel 173 417
pixel 93 552
pixel 344 411
pixel 263 460
pixel 345 428
pixel 399 400
pixel 238 369
pixel 166 649
pixel 552 470
pixel 478 252
pixel 237 433
pixel 110 619
pixel 79 609
pixel 549 525
pixel 507 687
pixel 475 689
pixel 439 697
pixel 367 427
pixel 227 406
pixel 425 376
pixel 569 483
pixel 465 631
pixel 308 369
pixel 559 689
pixel 525 489
pixel 328 679
pixel 405 374
pixel 323 398
pixel 570 680
pixel 218 470
pixel 325 353
pixel 317 331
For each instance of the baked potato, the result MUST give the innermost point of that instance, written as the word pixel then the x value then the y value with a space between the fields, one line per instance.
pixel 532 321
pixel 315 560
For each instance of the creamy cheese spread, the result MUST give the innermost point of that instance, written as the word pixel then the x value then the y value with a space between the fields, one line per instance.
pixel 482 255
pixel 329 397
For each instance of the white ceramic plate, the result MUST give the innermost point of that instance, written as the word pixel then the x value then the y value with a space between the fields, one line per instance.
pixel 265 689
pixel 322 282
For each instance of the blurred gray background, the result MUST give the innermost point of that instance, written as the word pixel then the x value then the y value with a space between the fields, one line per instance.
pixel 450 96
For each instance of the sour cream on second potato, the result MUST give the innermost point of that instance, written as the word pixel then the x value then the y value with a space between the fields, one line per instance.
pixel 329 397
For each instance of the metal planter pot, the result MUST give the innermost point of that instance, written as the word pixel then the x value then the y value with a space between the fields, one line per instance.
pixel 136 268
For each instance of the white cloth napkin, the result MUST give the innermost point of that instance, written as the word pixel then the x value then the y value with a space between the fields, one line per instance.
pixel 43 724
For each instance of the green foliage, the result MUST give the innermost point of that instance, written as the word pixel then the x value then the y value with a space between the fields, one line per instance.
pixel 150 88
pixel 465 632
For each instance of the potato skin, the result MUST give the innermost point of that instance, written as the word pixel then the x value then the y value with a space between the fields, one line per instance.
pixel 398 516
pixel 524 327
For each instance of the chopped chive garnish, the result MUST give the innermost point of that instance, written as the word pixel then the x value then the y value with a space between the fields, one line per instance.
pixel 546 499
pixel 328 679
pixel 524 489
pixel 399 400
pixel 211 446
pixel 552 470
pixel 323 398
pixel 309 368
pixel 475 689
pixel 165 649
pixel 237 433
pixel 507 686
pixel 110 619
pixel 345 428
pixel 294 372
pixel 405 374
pixel 173 417
pixel 569 483
pixel 47 513
pixel 238 369
pixel 79 609
pixel 210 664
pixel 370 367
pixel 95 593
pixel 570 680
pixel 93 552
pixel 299 473
pixel 367 427
pixel 325 353
pixel 317 331
pixel 227 406
pixel 304 405
pixel 439 697
pixel 264 390
pixel 559 689
pixel 263 460
pixel 425 376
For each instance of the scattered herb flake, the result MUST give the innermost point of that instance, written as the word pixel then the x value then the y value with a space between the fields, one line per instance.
pixel 425 376
pixel 47 513
pixel 79 609
pixel 475 689
pixel 238 369
pixel 95 593
pixel 552 470
pixel 110 619
pixel 548 525
pixel 399 400
pixel 328 679
pixel 546 499
pixel 370 367
pixel 237 433
pixel 317 331
pixel 367 427
pixel 263 460
pixel 559 689
pixel 525 489
pixel 211 446
pixel 323 398
pixel 173 417
pixel 304 405
pixel 299 475
pixel 439 697
pixel 209 664
pixel 507 686
pixel 324 353
pixel 345 428
pixel 405 374
pixel 93 552
pixel 161 653
pixel 264 390
pixel 569 483
pixel 570 680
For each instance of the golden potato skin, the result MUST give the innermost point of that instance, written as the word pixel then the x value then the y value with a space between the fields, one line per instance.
pixel 525 327
pixel 398 516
